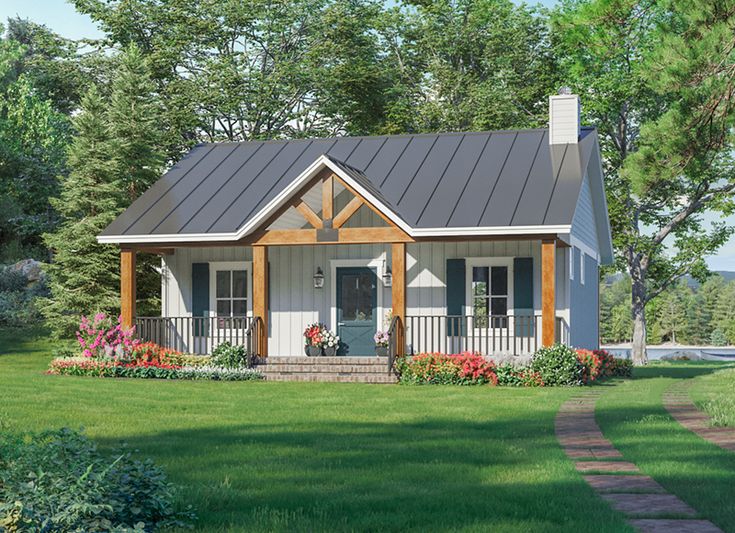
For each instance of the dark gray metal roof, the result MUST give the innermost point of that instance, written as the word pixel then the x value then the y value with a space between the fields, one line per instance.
pixel 447 180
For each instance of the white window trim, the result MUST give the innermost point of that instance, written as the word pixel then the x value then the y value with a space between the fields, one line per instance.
pixel 581 267
pixel 214 266
pixel 377 263
pixel 471 262
pixel 571 263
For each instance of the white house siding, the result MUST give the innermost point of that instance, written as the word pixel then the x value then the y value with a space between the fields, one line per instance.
pixel 584 226
pixel 295 302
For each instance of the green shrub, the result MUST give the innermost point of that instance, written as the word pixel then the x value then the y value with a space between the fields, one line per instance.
pixel 558 365
pixel 229 356
pixel 518 376
pixel 185 359
pixel 58 481
pixel 12 280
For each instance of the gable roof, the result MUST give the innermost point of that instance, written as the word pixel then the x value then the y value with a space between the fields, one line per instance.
pixel 490 183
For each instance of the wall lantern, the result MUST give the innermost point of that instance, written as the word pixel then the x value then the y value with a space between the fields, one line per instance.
pixel 388 277
pixel 318 278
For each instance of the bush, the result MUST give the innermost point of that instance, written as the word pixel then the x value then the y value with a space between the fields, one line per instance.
pixel 601 364
pixel 229 356
pixel 185 359
pixel 511 376
pixel 443 369
pixel 12 280
pixel 558 365
pixel 113 368
pixel 58 481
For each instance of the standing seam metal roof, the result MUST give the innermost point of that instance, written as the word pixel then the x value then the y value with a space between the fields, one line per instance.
pixel 446 180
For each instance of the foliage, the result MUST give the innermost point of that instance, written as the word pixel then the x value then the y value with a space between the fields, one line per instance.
pixel 558 365
pixel 513 376
pixel 114 368
pixel 103 337
pixel 656 79
pixel 685 313
pixel 320 335
pixel 182 359
pixel 229 356
pixel 114 156
pixel 18 304
pixel 58 481
pixel 715 394
pixel 443 369
pixel 600 364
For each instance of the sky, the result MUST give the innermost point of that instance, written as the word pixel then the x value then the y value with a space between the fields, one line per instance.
pixel 61 17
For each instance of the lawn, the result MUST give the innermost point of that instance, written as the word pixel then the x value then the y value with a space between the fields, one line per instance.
pixel 715 394
pixel 260 456
pixel 313 457
pixel 632 415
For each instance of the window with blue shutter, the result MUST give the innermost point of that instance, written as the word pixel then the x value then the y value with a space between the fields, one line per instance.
pixel 523 296
pixel 200 296
pixel 456 297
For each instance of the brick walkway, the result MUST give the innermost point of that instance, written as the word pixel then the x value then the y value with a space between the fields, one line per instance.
pixel 682 408
pixel 649 508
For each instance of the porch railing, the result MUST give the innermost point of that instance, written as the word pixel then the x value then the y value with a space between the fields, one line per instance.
pixel 395 332
pixel 199 335
pixel 490 335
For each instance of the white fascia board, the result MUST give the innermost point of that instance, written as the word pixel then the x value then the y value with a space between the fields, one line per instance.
pixel 491 231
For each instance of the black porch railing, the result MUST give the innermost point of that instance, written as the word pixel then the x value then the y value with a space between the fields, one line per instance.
pixel 200 335
pixel 489 335
pixel 395 332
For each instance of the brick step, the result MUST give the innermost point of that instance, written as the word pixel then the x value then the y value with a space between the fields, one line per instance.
pixel 333 377
pixel 303 360
pixel 340 369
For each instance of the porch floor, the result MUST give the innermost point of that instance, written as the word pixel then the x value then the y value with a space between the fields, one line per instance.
pixel 336 369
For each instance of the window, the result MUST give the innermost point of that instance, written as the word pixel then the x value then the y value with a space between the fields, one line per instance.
pixel 571 263
pixel 229 292
pixel 581 267
pixel 490 296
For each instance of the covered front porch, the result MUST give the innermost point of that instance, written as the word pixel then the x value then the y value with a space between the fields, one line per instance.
pixel 329 255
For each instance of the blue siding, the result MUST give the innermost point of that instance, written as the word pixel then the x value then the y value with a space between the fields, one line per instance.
pixel 584 226
pixel 584 304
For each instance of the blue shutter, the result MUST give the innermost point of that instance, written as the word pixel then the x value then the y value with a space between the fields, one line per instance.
pixel 200 296
pixel 523 296
pixel 456 297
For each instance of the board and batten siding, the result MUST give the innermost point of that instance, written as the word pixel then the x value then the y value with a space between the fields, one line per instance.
pixel 294 302
pixel 584 310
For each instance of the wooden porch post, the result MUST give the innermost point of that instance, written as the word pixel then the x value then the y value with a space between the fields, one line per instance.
pixel 127 287
pixel 548 292
pixel 398 290
pixel 260 295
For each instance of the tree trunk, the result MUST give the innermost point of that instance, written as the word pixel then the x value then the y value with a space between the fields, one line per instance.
pixel 638 308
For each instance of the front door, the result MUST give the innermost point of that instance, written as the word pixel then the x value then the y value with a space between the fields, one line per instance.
pixel 357 309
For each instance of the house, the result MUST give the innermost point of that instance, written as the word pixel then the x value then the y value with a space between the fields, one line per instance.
pixel 486 241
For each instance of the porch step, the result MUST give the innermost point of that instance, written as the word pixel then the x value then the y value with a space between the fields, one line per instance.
pixel 333 377
pixel 336 369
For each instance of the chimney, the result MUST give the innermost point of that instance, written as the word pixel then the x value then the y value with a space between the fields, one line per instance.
pixel 564 117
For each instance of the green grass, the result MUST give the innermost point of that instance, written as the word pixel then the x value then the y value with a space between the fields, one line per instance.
pixel 631 414
pixel 715 394
pixel 314 457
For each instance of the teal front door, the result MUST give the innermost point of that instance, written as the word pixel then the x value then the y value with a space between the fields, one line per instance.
pixel 357 310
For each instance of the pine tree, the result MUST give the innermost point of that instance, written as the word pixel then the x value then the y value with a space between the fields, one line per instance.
pixel 115 156
pixel 84 277
pixel 137 130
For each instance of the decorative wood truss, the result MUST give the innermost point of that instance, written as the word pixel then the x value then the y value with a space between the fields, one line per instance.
pixel 327 227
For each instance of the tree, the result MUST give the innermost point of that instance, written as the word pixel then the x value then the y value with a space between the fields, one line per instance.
pixel 136 126
pixel 81 278
pixel 115 156
pixel 482 65
pixel 33 140
pixel 656 79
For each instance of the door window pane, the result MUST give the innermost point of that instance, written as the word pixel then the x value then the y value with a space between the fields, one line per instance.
pixel 239 308
pixel 223 284
pixel 239 284
pixel 356 296
pixel 223 308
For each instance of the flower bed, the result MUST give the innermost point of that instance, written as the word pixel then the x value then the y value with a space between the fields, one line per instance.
pixel 111 368
pixel 557 365
pixel 452 369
